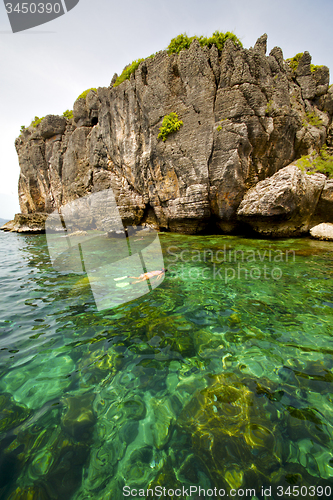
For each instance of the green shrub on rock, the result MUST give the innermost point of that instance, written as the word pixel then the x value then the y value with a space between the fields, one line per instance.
pixel 33 123
pixel 127 71
pixel 293 63
pixel 170 124
pixel 219 127
pixel 36 121
pixel 312 119
pixel 218 38
pixel 315 67
pixel 179 43
pixel 68 114
pixel 85 93
pixel 314 162
pixel 269 107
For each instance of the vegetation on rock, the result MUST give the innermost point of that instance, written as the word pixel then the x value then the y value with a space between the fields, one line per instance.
pixel 170 124
pixel 314 162
pixel 127 71
pixel 269 108
pixel 68 114
pixel 179 43
pixel 312 119
pixel 218 38
pixel 36 121
pixel 85 93
pixel 220 126
pixel 314 67
pixel 293 61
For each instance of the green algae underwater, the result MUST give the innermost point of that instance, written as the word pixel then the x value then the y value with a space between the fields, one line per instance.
pixel 221 377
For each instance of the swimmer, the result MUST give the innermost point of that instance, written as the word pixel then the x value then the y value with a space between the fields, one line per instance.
pixel 146 276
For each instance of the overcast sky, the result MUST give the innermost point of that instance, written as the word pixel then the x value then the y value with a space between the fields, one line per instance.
pixel 43 70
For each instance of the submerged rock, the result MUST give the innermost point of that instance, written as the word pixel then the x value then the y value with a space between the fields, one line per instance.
pixel 79 417
pixel 170 334
pixel 12 414
pixel 100 364
pixel 164 417
pixel 230 425
pixel 41 460
pixel 29 493
pixel 293 474
pixel 239 438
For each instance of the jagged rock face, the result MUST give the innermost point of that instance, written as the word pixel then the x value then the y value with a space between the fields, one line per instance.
pixel 41 161
pixel 284 204
pixel 244 118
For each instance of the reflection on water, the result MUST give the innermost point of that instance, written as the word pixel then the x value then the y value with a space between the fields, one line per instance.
pixel 221 377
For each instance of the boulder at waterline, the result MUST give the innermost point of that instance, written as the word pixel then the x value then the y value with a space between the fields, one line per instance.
pixel 323 231
pixel 283 204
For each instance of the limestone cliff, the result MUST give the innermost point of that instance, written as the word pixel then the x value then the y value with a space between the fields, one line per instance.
pixel 245 116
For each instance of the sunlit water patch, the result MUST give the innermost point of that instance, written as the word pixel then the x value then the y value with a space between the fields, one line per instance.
pixel 221 377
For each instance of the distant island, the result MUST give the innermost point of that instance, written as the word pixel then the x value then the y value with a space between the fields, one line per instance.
pixel 205 136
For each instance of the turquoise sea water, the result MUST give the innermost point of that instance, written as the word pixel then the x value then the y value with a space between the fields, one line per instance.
pixel 221 377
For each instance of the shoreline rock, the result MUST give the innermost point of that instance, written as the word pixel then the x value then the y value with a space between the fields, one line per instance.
pixel 323 231
pixel 27 223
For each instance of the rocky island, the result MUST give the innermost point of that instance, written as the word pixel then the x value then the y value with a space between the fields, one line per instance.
pixel 210 138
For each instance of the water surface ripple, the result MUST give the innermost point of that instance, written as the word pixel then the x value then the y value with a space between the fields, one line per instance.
pixel 221 377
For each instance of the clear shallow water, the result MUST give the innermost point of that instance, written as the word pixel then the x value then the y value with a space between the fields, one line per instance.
pixel 220 377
